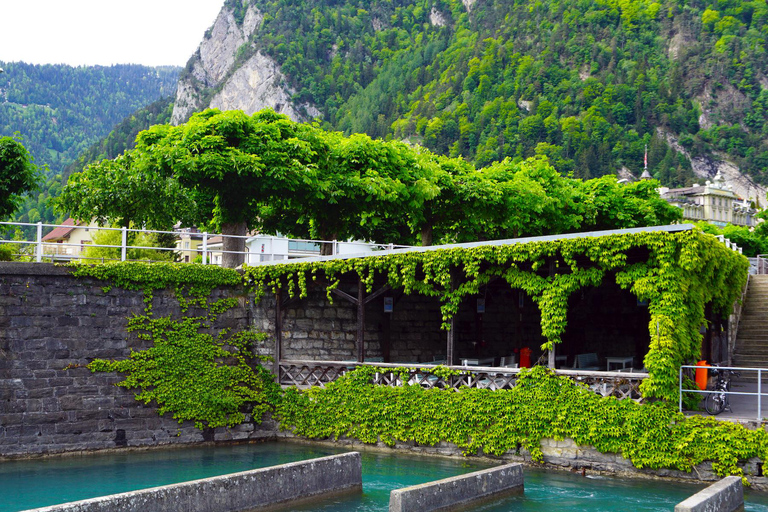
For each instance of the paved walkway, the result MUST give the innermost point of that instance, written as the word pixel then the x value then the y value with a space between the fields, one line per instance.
pixel 742 407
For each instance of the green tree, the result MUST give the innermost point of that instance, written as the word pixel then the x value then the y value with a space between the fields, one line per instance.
pixel 18 175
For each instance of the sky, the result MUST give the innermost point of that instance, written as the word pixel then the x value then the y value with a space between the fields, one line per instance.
pixel 104 32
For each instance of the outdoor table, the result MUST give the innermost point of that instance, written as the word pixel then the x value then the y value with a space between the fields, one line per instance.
pixel 617 360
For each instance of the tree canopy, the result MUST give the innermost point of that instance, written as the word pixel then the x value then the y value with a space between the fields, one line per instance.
pixel 18 175
pixel 237 173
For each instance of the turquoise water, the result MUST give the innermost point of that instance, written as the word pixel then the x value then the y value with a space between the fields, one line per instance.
pixel 32 484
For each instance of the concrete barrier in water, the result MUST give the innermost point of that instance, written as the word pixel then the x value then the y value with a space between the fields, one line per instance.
pixel 459 490
pixel 727 495
pixel 235 492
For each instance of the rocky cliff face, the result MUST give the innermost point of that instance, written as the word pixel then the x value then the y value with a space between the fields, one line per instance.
pixel 706 167
pixel 258 84
pixel 215 77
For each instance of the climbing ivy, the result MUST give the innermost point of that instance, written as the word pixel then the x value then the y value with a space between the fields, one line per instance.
pixel 541 406
pixel 684 272
pixel 211 380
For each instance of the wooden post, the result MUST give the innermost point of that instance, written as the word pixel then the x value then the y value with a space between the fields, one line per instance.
pixel 360 321
pixel 451 329
pixel 278 332
pixel 551 355
pixel 386 342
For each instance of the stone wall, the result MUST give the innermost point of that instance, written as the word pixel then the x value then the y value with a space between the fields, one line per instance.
pixel 51 325
pixel 274 486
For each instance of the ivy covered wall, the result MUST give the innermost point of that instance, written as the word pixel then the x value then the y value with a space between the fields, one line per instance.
pixel 679 271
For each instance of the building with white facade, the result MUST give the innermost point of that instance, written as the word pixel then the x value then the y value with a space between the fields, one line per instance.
pixel 715 202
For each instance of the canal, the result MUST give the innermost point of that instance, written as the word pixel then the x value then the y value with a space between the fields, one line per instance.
pixel 39 483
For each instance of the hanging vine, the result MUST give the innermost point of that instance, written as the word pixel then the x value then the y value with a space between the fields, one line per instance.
pixel 684 271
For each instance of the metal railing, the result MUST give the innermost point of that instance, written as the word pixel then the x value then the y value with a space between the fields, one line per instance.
pixel 744 372
pixel 762 263
pixel 190 245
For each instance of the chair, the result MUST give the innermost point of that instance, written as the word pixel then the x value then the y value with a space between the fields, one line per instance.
pixel 586 361
pixel 509 361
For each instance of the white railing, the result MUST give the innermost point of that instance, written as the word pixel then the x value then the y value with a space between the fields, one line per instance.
pixel 189 245
pixel 744 372
pixel 762 263
pixel 729 244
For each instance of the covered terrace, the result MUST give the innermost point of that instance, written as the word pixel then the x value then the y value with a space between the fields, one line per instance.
pixel 595 306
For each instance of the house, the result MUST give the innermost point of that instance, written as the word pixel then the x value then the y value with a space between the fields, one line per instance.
pixel 68 240
pixel 274 248
pixel 715 203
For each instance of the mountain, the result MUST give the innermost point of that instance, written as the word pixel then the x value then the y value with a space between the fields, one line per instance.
pixel 60 111
pixel 588 83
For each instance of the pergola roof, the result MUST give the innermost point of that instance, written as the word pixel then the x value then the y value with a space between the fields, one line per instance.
pixel 673 228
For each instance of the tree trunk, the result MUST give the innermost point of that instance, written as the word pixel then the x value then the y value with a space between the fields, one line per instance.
pixel 326 248
pixel 233 245
pixel 426 236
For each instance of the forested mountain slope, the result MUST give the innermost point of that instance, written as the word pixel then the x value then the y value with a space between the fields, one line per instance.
pixel 587 83
pixel 60 111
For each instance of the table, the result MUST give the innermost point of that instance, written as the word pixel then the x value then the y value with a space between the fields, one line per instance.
pixel 477 362
pixel 618 361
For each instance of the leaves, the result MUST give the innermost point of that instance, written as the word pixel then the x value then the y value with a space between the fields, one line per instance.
pixel 682 274
pixel 541 406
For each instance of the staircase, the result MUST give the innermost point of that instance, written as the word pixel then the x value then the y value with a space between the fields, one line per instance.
pixel 752 338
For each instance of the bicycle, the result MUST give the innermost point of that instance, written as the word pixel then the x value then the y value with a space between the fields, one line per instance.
pixel 717 401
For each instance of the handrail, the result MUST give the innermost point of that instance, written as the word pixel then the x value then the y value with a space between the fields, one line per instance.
pixel 762 263
pixel 759 392
pixel 272 247
pixel 303 373
pixel 735 319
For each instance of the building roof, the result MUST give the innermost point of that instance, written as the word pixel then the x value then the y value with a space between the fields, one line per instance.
pixel 63 231
pixel 673 228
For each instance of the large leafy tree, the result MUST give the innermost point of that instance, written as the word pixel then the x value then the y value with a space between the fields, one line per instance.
pixel 18 175
pixel 237 173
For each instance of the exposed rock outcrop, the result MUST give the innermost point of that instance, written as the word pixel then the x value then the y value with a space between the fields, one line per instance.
pixel 437 18
pixel 216 78
pixel 258 84
pixel 468 4
pixel 706 167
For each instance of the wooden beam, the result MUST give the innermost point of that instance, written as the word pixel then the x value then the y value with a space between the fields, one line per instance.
pixel 344 295
pixel 278 333
pixel 449 348
pixel 451 329
pixel 551 356
pixel 360 321
pixel 377 293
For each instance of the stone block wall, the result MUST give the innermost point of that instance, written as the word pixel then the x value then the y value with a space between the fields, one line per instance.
pixel 51 325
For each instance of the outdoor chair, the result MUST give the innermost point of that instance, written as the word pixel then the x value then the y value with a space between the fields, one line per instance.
pixel 586 361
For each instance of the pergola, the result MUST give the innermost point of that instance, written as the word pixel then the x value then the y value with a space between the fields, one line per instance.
pixel 550 269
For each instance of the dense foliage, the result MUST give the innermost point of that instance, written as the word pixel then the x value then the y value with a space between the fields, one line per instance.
pixel 752 242
pixel 588 84
pixel 18 175
pixel 267 172
pixel 683 274
pixel 213 380
pixel 62 110
pixel 540 406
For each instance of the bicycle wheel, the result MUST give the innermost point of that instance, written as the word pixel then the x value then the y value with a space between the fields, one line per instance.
pixel 715 403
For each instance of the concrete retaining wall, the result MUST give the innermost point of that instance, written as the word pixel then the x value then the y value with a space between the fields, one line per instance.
pixel 727 495
pixel 459 490
pixel 235 492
